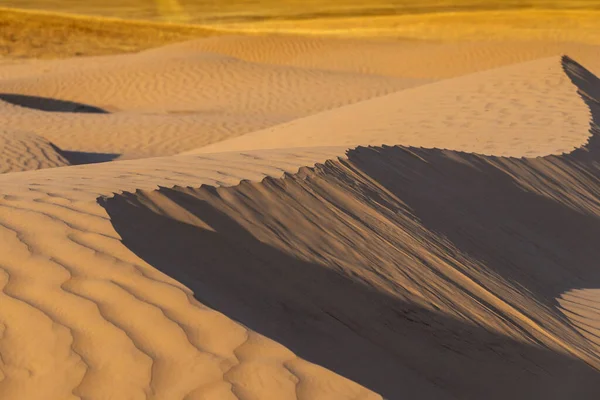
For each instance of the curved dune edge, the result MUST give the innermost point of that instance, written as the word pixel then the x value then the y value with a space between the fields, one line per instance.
pixel 72 295
pixel 20 151
pixel 530 109
pixel 432 267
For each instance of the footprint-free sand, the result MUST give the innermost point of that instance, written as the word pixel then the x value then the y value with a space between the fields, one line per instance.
pixel 275 216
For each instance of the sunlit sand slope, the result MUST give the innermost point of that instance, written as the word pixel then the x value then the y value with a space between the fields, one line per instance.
pixel 169 100
pixel 83 317
pixel 185 96
pixel 528 109
pixel 21 151
pixel 398 262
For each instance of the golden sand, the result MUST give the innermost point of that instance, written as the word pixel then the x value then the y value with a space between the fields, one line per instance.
pixel 300 217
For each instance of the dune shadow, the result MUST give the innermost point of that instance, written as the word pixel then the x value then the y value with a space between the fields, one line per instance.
pixel 49 104
pixel 397 349
pixel 522 229
pixel 82 157
pixel 534 221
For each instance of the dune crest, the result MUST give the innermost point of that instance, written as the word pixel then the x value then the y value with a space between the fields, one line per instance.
pixel 409 259
pixel 529 109
pixel 166 101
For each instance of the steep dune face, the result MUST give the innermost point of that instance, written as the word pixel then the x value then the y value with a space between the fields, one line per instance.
pixel 434 268
pixel 529 109
pixel 82 316
pixel 20 151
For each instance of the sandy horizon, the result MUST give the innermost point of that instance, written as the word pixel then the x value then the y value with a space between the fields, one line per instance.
pixel 266 209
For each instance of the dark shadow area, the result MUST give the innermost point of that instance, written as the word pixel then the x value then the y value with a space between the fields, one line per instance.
pixel 396 349
pixel 49 104
pixel 82 157
pixel 530 222
pixel 546 243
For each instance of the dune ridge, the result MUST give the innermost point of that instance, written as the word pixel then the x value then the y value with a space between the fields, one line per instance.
pixel 528 109
pixel 473 272
pixel 73 296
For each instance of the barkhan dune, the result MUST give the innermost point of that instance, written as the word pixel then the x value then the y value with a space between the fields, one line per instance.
pixel 302 218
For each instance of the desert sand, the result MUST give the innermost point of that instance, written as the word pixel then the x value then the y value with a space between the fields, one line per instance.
pixel 276 216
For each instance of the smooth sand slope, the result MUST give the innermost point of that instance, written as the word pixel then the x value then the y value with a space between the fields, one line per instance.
pixel 169 100
pixel 385 272
pixel 22 151
pixel 528 109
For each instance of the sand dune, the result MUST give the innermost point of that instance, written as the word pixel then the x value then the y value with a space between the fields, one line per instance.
pixel 420 59
pixel 409 283
pixel 447 264
pixel 166 101
pixel 186 96
pixel 529 109
pixel 414 261
pixel 532 23
pixel 83 316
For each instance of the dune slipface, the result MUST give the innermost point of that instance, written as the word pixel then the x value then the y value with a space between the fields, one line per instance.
pixel 413 261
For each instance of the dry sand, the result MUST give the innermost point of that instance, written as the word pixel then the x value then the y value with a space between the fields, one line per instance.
pixel 279 257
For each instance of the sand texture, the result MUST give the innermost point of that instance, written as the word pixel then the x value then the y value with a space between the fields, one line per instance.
pixel 21 151
pixel 170 100
pixel 285 217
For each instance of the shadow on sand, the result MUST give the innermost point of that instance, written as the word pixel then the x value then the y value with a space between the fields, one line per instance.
pixel 533 223
pixel 82 157
pixel 49 104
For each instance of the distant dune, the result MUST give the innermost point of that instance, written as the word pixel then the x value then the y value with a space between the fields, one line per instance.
pixel 528 109
pixel 37 34
pixel 170 100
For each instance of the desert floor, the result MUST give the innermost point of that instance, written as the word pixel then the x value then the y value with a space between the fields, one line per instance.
pixel 399 206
